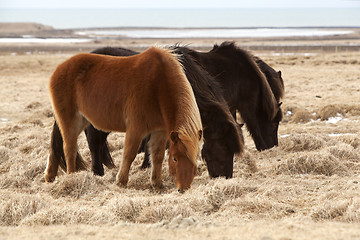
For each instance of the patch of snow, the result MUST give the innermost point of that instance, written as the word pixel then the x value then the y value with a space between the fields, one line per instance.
pixel 341 134
pixel 289 113
pixel 284 135
pixel 335 120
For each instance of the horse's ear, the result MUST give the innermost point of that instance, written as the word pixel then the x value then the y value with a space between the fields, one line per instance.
pixel 174 137
pixel 279 73
pixel 279 104
pixel 200 134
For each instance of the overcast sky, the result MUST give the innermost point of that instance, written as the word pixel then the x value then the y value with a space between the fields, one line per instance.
pixel 178 3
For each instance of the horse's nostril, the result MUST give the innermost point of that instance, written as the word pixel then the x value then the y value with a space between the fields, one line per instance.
pixel 180 190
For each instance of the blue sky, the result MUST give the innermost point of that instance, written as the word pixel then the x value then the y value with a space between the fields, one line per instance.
pixel 179 4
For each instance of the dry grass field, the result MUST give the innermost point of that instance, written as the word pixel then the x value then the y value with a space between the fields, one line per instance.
pixel 306 188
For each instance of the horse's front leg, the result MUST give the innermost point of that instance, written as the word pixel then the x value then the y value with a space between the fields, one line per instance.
pixel 132 143
pixel 157 145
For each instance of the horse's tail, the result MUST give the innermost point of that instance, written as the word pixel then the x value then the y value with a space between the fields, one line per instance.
pixel 99 149
pixel 57 150
pixel 106 159
pixel 267 97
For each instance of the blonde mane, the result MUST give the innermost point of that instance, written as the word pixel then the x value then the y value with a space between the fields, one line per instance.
pixel 189 130
pixel 189 121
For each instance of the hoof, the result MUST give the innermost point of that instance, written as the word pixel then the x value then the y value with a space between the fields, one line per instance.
pixel 158 186
pixel 180 190
pixel 49 179
pixel 122 185
pixel 98 172
pixel 145 165
pixel 121 181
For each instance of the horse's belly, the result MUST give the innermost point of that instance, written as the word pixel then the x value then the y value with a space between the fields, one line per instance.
pixel 119 121
pixel 106 122
pixel 108 126
pixel 123 112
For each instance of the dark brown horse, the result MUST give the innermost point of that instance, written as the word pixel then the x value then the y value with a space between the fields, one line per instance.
pixel 246 89
pixel 222 136
pixel 142 94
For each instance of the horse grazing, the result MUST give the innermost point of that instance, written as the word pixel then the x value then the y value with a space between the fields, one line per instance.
pixel 142 94
pixel 222 136
pixel 246 90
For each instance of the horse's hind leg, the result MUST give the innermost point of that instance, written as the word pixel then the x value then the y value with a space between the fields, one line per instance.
pixel 157 145
pixel 132 143
pixel 57 158
pixel 70 131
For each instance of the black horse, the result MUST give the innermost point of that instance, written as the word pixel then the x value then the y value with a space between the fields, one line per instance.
pixel 222 135
pixel 246 90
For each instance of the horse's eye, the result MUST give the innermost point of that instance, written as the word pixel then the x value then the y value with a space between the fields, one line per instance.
pixel 175 160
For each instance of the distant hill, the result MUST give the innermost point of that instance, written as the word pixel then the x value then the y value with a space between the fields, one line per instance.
pixel 22 27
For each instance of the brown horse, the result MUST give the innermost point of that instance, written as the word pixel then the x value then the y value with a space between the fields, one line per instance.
pixel 142 94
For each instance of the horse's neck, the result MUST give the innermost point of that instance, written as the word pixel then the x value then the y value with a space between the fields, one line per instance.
pixel 187 114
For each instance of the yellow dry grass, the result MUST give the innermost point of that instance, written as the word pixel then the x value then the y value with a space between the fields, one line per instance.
pixel 307 188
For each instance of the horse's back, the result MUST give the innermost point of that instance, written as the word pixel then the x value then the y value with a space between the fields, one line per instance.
pixel 119 88
pixel 90 66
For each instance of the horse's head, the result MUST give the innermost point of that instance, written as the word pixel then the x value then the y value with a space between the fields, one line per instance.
pixel 182 159
pixel 268 131
pixel 269 126
pixel 259 87
pixel 220 145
